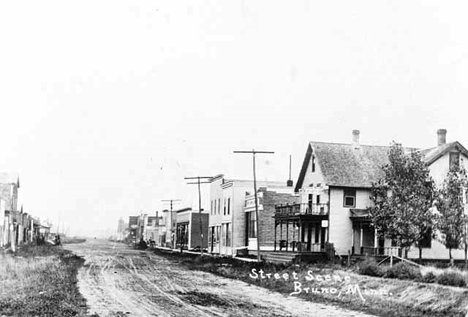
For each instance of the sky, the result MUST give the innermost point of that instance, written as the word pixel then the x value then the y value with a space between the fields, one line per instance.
pixel 106 106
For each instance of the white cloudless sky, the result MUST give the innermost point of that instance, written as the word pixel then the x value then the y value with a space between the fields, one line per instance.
pixel 106 105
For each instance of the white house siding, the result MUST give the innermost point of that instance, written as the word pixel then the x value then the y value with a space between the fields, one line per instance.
pixel 341 229
pixel 439 170
pixel 437 251
pixel 227 218
pixel 216 194
pixel 310 182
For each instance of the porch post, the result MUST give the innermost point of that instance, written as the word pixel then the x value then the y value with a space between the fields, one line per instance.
pixel 275 235
pixel 376 241
pixel 361 237
pixel 287 233
pixel 281 233
pixel 294 235
pixel 352 237
pixel 301 235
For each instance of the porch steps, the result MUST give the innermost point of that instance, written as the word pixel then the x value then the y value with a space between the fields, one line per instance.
pixel 280 257
pixel 289 257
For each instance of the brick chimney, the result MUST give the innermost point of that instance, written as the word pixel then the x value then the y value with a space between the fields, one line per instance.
pixel 441 137
pixel 356 139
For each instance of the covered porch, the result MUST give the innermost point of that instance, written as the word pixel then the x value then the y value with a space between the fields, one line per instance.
pixel 301 228
pixel 365 239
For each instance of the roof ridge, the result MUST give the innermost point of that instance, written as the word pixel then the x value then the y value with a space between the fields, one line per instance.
pixel 369 145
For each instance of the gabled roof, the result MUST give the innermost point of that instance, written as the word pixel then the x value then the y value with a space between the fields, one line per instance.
pixel 433 154
pixel 343 165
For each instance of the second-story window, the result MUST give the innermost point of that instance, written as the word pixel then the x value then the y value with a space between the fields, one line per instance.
pixel 219 206
pixel 317 199
pixel 224 206
pixel 313 163
pixel 229 206
pixel 454 159
pixel 349 199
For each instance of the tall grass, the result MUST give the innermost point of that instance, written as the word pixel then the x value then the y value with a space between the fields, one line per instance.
pixel 40 281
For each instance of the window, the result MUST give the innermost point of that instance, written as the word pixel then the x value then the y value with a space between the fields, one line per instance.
pixel 228 235
pixel 229 206
pixel 313 163
pixel 211 210
pixel 426 241
pixel 317 198
pixel 224 206
pixel 349 199
pixel 219 206
pixel 251 224
pixel 454 159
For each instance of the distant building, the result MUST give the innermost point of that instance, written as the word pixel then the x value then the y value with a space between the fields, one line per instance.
pixel 170 220
pixel 133 228
pixel 188 234
pixel 121 229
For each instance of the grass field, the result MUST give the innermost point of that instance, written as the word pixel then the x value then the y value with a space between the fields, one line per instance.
pixel 378 296
pixel 40 281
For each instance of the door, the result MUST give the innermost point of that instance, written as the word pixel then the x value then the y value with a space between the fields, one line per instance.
pixel 323 232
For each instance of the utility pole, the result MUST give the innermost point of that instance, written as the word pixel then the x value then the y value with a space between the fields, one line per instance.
pixel 171 201
pixel 253 152
pixel 198 178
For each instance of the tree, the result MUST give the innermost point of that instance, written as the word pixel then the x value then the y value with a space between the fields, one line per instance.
pixel 402 199
pixel 451 208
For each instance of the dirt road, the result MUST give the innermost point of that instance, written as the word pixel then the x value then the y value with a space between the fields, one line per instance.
pixel 119 281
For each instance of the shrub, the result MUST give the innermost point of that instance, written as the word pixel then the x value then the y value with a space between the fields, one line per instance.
pixel 429 278
pixel 452 279
pixel 404 271
pixel 371 268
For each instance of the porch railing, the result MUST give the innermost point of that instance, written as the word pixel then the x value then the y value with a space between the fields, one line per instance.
pixel 301 209
pixel 381 251
pixel 297 246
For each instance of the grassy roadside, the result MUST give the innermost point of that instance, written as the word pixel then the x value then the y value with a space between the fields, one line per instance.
pixel 332 284
pixel 40 281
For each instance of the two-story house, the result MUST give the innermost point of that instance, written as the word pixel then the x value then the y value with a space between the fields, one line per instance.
pixel 334 186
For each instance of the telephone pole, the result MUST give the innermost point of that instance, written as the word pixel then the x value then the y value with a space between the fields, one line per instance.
pixel 253 152
pixel 171 201
pixel 198 178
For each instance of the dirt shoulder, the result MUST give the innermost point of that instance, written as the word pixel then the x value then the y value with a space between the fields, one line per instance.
pixel 378 296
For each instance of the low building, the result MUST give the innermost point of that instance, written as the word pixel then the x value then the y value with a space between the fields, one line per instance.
pixel 132 228
pixel 188 226
pixel 170 220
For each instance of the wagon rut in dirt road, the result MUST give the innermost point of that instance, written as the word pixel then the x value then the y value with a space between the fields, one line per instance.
pixel 119 281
